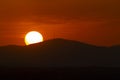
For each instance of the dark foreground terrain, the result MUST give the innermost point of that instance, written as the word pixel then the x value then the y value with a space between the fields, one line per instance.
pixel 59 59
pixel 60 73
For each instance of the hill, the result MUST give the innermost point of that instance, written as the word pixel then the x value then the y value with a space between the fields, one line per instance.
pixel 59 59
pixel 59 53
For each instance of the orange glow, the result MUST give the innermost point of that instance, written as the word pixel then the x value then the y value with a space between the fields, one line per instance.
pixel 93 21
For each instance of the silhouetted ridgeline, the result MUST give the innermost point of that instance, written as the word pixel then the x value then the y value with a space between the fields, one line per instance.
pixel 59 53
pixel 61 58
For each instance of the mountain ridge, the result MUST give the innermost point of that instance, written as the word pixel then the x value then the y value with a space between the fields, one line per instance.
pixel 59 53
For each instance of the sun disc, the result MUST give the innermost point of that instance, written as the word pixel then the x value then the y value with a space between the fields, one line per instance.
pixel 33 37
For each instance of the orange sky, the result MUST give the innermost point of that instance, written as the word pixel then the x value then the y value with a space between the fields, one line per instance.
pixel 91 21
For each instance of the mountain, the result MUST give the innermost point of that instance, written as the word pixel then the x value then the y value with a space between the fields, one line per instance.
pixel 59 53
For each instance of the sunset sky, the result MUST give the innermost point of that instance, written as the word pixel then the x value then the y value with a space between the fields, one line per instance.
pixel 91 21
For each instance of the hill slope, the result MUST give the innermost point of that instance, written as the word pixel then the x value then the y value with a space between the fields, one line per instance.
pixel 59 53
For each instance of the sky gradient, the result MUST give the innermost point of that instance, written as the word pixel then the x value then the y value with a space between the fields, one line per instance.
pixel 91 21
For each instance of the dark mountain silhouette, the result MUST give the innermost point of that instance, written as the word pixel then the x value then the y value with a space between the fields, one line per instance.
pixel 59 53
pixel 59 59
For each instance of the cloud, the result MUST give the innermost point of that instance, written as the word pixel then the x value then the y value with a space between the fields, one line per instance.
pixel 63 9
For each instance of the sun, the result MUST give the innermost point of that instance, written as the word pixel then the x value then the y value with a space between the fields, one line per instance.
pixel 33 37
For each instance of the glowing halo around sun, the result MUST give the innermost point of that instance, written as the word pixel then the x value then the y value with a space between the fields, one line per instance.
pixel 33 37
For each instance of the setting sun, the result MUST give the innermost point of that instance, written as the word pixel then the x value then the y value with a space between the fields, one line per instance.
pixel 33 37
